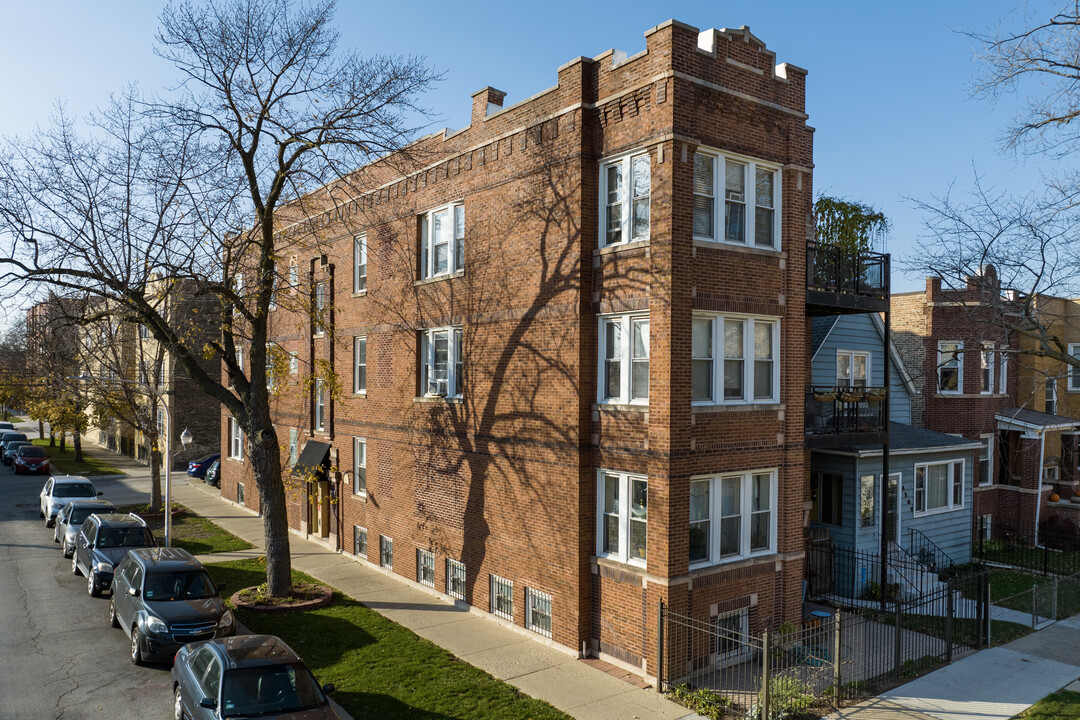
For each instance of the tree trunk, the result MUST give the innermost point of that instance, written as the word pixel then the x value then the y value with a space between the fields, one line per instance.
pixel 266 464
pixel 40 429
pixel 63 439
pixel 155 476
pixel 52 437
pixel 76 444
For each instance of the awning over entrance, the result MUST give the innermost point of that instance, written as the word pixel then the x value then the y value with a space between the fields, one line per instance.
pixel 313 462
pixel 1032 421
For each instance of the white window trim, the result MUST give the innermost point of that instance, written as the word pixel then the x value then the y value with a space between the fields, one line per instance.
pixel 495 582
pixel 360 258
pixel 427 247
pixel 357 390
pixel 320 404
pixel 422 555
pixel 989 479
pixel 625 360
pixel 959 367
pixel 1003 371
pixel 741 652
pixel 320 308
pixel 1074 373
pixel 626 160
pixel 236 440
pixel 625 491
pixel 359 489
pixel 749 322
pixel 852 354
pixel 746 500
pixel 951 506
pixel 294 445
pixel 987 356
pixel 862 524
pixel 451 566
pixel 750 203
pixel 530 593
pixel 455 336
pixel 1050 395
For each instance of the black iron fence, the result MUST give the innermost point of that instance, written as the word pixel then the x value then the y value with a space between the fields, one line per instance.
pixel 926 551
pixel 834 410
pixel 1054 550
pixel 833 269
pixel 842 575
pixel 842 655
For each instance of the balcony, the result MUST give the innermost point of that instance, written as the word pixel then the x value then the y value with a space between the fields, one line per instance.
pixel 845 416
pixel 841 282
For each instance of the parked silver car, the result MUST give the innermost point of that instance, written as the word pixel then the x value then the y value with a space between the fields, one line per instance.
pixel 71 517
pixel 61 490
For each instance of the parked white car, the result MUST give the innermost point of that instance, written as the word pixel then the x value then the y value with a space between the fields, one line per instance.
pixel 59 491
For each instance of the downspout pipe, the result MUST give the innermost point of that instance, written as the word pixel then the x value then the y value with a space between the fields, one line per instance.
pixel 1039 484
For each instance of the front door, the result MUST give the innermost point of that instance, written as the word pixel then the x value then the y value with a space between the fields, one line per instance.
pixel 319 508
pixel 892 508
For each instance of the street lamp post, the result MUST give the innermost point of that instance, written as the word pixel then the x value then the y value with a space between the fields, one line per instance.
pixel 185 440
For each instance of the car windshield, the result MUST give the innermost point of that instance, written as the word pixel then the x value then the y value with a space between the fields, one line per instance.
pixel 269 689
pixel 13 446
pixel 125 537
pixel 79 515
pixel 184 585
pixel 73 490
pixel 31 451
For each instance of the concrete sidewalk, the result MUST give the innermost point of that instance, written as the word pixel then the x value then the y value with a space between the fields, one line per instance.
pixel 994 684
pixel 511 655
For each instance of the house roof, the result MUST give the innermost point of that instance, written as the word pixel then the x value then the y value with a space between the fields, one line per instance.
pixel 1033 420
pixel 906 439
pixel 819 330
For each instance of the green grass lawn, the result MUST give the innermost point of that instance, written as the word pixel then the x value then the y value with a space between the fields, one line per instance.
pixel 192 532
pixel 64 462
pixel 1012 589
pixel 381 669
pixel 1062 705
pixel 14 419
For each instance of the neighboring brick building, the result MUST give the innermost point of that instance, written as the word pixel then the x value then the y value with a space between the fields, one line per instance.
pixel 560 367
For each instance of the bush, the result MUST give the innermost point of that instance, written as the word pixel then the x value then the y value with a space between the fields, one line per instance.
pixel 703 701
pixel 1060 533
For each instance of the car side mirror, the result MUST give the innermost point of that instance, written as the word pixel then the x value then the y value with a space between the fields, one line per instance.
pixel 100 493
pixel 328 688
pixel 208 703
pixel 221 587
pixel 133 591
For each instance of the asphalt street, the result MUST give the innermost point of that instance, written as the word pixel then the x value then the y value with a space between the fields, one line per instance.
pixel 59 658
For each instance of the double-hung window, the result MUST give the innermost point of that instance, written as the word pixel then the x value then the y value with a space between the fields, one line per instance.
pixel 441 364
pixel 624 359
pixel 360 263
pixel 359 466
pixel 986 368
pixel 320 404
pixel 735 359
pixel 986 460
pixel 360 364
pixel 1050 407
pixel 852 368
pixel 502 597
pixel 732 516
pixel 1074 370
pixel 538 611
pixel 320 308
pixel 386 552
pixel 626 188
pixel 294 363
pixel 950 367
pixel 1003 371
pixel 442 241
pixel 623 500
pixel 749 191
pixel 293 434
pixel 455 579
pixel 359 541
pixel 939 487
pixel 425 567
pixel 867 498
pixel 236 440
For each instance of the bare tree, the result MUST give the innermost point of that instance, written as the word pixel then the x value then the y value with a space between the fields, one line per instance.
pixel 197 186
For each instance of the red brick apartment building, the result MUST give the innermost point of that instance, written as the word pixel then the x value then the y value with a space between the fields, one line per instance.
pixel 570 352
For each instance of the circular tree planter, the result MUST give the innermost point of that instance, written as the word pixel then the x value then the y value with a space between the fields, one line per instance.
pixel 306 596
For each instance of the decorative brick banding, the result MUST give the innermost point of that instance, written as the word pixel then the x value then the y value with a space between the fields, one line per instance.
pixel 323 596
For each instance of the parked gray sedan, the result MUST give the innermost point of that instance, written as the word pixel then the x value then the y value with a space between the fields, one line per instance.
pixel 72 516
pixel 61 490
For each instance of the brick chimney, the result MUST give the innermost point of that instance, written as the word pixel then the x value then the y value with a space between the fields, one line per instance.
pixel 485 102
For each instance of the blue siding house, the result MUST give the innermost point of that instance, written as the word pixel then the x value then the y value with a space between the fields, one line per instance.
pixel 928 501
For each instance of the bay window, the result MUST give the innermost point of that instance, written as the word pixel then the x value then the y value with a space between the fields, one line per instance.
pixel 624 359
pixel 732 516
pixel 441 362
pixel 626 189
pixel 750 192
pixel 623 501
pixel 442 241
pixel 950 367
pixel 734 359
pixel 939 487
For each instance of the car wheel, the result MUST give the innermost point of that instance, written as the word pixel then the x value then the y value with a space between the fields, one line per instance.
pixel 178 705
pixel 68 552
pixel 74 564
pixel 136 646
pixel 50 522
pixel 112 614
pixel 91 584
pixel 39 513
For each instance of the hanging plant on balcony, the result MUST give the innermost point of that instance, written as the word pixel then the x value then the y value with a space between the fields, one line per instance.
pixel 852 396
pixel 874 396
pixel 825 395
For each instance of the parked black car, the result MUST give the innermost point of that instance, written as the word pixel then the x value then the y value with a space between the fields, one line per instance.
pixel 164 598
pixel 71 518
pixel 198 468
pixel 213 474
pixel 246 676
pixel 103 542
pixel 13 447
pixel 8 436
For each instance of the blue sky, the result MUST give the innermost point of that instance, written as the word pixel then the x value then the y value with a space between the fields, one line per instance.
pixel 887 89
